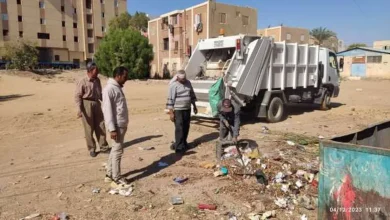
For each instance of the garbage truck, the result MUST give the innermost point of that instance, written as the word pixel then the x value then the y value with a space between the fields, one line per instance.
pixel 261 76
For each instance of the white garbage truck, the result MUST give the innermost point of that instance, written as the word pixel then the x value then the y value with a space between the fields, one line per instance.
pixel 262 76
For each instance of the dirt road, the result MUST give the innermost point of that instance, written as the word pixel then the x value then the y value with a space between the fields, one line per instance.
pixel 46 168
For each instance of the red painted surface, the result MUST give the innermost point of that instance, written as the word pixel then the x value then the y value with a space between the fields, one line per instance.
pixel 345 197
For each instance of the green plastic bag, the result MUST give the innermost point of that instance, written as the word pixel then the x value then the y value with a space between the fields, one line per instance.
pixel 216 96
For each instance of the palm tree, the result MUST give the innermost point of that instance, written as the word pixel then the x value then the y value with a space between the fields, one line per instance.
pixel 322 34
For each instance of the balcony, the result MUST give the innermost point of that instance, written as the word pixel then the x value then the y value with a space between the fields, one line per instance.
pixel 89 25
pixel 91 40
pixel 89 11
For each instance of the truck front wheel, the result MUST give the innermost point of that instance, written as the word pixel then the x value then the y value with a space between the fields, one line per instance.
pixel 325 104
pixel 275 110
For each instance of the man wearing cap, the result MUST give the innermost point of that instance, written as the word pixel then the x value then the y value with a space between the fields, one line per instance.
pixel 229 121
pixel 180 97
pixel 88 96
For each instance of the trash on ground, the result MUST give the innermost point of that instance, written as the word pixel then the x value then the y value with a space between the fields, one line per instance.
pixel 140 159
pixel 61 216
pixel 162 164
pixel 254 216
pixel 31 216
pixel 218 173
pixel 305 202
pixel 245 159
pixel 268 214
pixel 232 216
pixel 303 217
pixel 309 177
pixel 79 186
pixel 123 192
pixel 59 194
pixel 264 166
pixel 180 179
pixel 321 137
pixel 47 177
pixel 290 143
pixel 175 200
pixel 285 188
pixel 261 177
pixel 231 149
pixel 279 177
pixel 264 130
pixel 207 165
pixel 281 202
pixel 96 190
pixel 254 154
pixel 258 161
pixel 300 173
pixel 224 171
pixel 207 206
pixel 299 184
pixel 301 147
pixel 359 90
pixel 146 148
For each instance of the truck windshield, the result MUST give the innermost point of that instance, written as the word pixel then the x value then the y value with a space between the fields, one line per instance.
pixel 333 62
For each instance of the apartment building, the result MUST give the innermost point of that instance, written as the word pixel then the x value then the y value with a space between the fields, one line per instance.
pixel 382 45
pixel 174 35
pixel 332 43
pixel 64 30
pixel 288 34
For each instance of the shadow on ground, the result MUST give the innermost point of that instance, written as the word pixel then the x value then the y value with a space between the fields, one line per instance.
pixel 140 140
pixel 12 97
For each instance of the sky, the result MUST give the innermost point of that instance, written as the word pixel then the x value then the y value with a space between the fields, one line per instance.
pixel 354 21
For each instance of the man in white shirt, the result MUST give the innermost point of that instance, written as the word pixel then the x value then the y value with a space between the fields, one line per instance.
pixel 116 118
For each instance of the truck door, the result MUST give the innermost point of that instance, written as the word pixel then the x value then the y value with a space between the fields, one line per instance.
pixel 333 74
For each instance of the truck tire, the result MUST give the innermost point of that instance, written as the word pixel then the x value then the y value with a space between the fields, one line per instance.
pixel 325 104
pixel 275 110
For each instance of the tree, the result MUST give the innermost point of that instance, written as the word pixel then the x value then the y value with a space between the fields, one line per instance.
pixel 22 53
pixel 355 45
pixel 322 34
pixel 138 21
pixel 126 47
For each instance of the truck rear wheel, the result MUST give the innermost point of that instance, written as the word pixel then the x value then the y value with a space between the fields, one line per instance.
pixel 325 104
pixel 275 110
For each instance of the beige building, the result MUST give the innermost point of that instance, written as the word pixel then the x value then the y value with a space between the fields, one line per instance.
pixel 175 34
pixel 332 43
pixel 382 45
pixel 64 30
pixel 288 34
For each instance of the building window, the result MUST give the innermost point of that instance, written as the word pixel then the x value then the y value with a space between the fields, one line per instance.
pixel 5 33
pixel 88 4
pixel 103 29
pixel 74 10
pixel 76 39
pixel 374 59
pixel 238 14
pixel 90 48
pixel 116 3
pixel 43 21
pixel 41 4
pixel 245 20
pixel 74 25
pixel 4 17
pixel 175 19
pixel 288 37
pixel 63 23
pixel 302 37
pixel 102 14
pixel 19 2
pixel 90 33
pixel 63 8
pixel 20 18
pixel 166 43
pixel 56 57
pixel 21 34
pixel 222 18
pixel 102 1
pixel 44 36
pixel 63 37
pixel 176 45
pixel 89 19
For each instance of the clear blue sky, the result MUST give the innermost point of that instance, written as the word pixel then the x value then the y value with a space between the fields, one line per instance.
pixel 353 20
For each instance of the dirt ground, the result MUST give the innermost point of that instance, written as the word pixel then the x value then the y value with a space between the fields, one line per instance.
pixel 46 168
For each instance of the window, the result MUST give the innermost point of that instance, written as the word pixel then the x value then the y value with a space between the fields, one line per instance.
pixel 63 37
pixel 332 60
pixel 63 23
pixel 5 33
pixel 176 45
pixel 20 18
pixel 116 3
pixel 90 33
pixel 174 19
pixel 56 57
pixel 89 19
pixel 63 8
pixel 90 48
pixel 74 10
pixel 19 2
pixel 88 4
pixel 43 36
pixel 41 5
pixel 4 17
pixel 238 14
pixel 166 43
pixel 374 59
pixel 245 20
pixel 222 18
pixel 20 33
pixel 302 37
pixel 76 39
pixel 102 14
pixel 102 1
pixel 103 29
pixel 74 25
pixel 288 37
pixel 43 21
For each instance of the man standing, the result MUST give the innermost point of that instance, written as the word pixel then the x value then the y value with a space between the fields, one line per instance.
pixel 229 126
pixel 88 96
pixel 116 117
pixel 180 97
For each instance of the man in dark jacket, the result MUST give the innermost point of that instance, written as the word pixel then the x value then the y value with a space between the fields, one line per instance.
pixel 229 127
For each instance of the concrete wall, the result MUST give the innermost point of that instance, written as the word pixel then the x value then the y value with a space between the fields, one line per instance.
pixel 381 44
pixel 281 33
pixel 234 20
pixel 373 70
pixel 273 32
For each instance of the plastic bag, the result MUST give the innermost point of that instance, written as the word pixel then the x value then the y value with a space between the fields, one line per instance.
pixel 216 96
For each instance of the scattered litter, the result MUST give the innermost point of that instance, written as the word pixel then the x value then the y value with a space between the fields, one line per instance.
pixel 261 177
pixel 104 165
pixel 47 177
pixel 59 194
pixel 162 164
pixel 151 192
pixel 301 147
pixel 279 177
pixel 259 206
pixel 264 130
pixel 37 114
pixel 232 216
pixel 146 148
pixel 258 161
pixel 175 200
pixel 140 159
pixel 299 184
pixel 61 216
pixel 264 166
pixel 305 202
pixel 285 188
pixel 79 186
pixel 231 149
pixel 171 208
pixel 300 173
pixel 286 166
pixel 218 173
pixel 224 171
pixel 96 190
pixel 207 165
pixel 254 216
pixel 254 154
pixel 321 137
pixel 309 177
pixel 180 179
pixel 314 183
pixel 206 206
pixel 290 143
pixel 359 90
pixel 245 159
pixel 31 216
pixel 217 190
pixel 123 192
pixel 303 217
pixel 282 203
pixel 268 214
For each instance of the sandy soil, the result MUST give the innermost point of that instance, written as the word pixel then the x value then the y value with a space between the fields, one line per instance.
pixel 46 168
